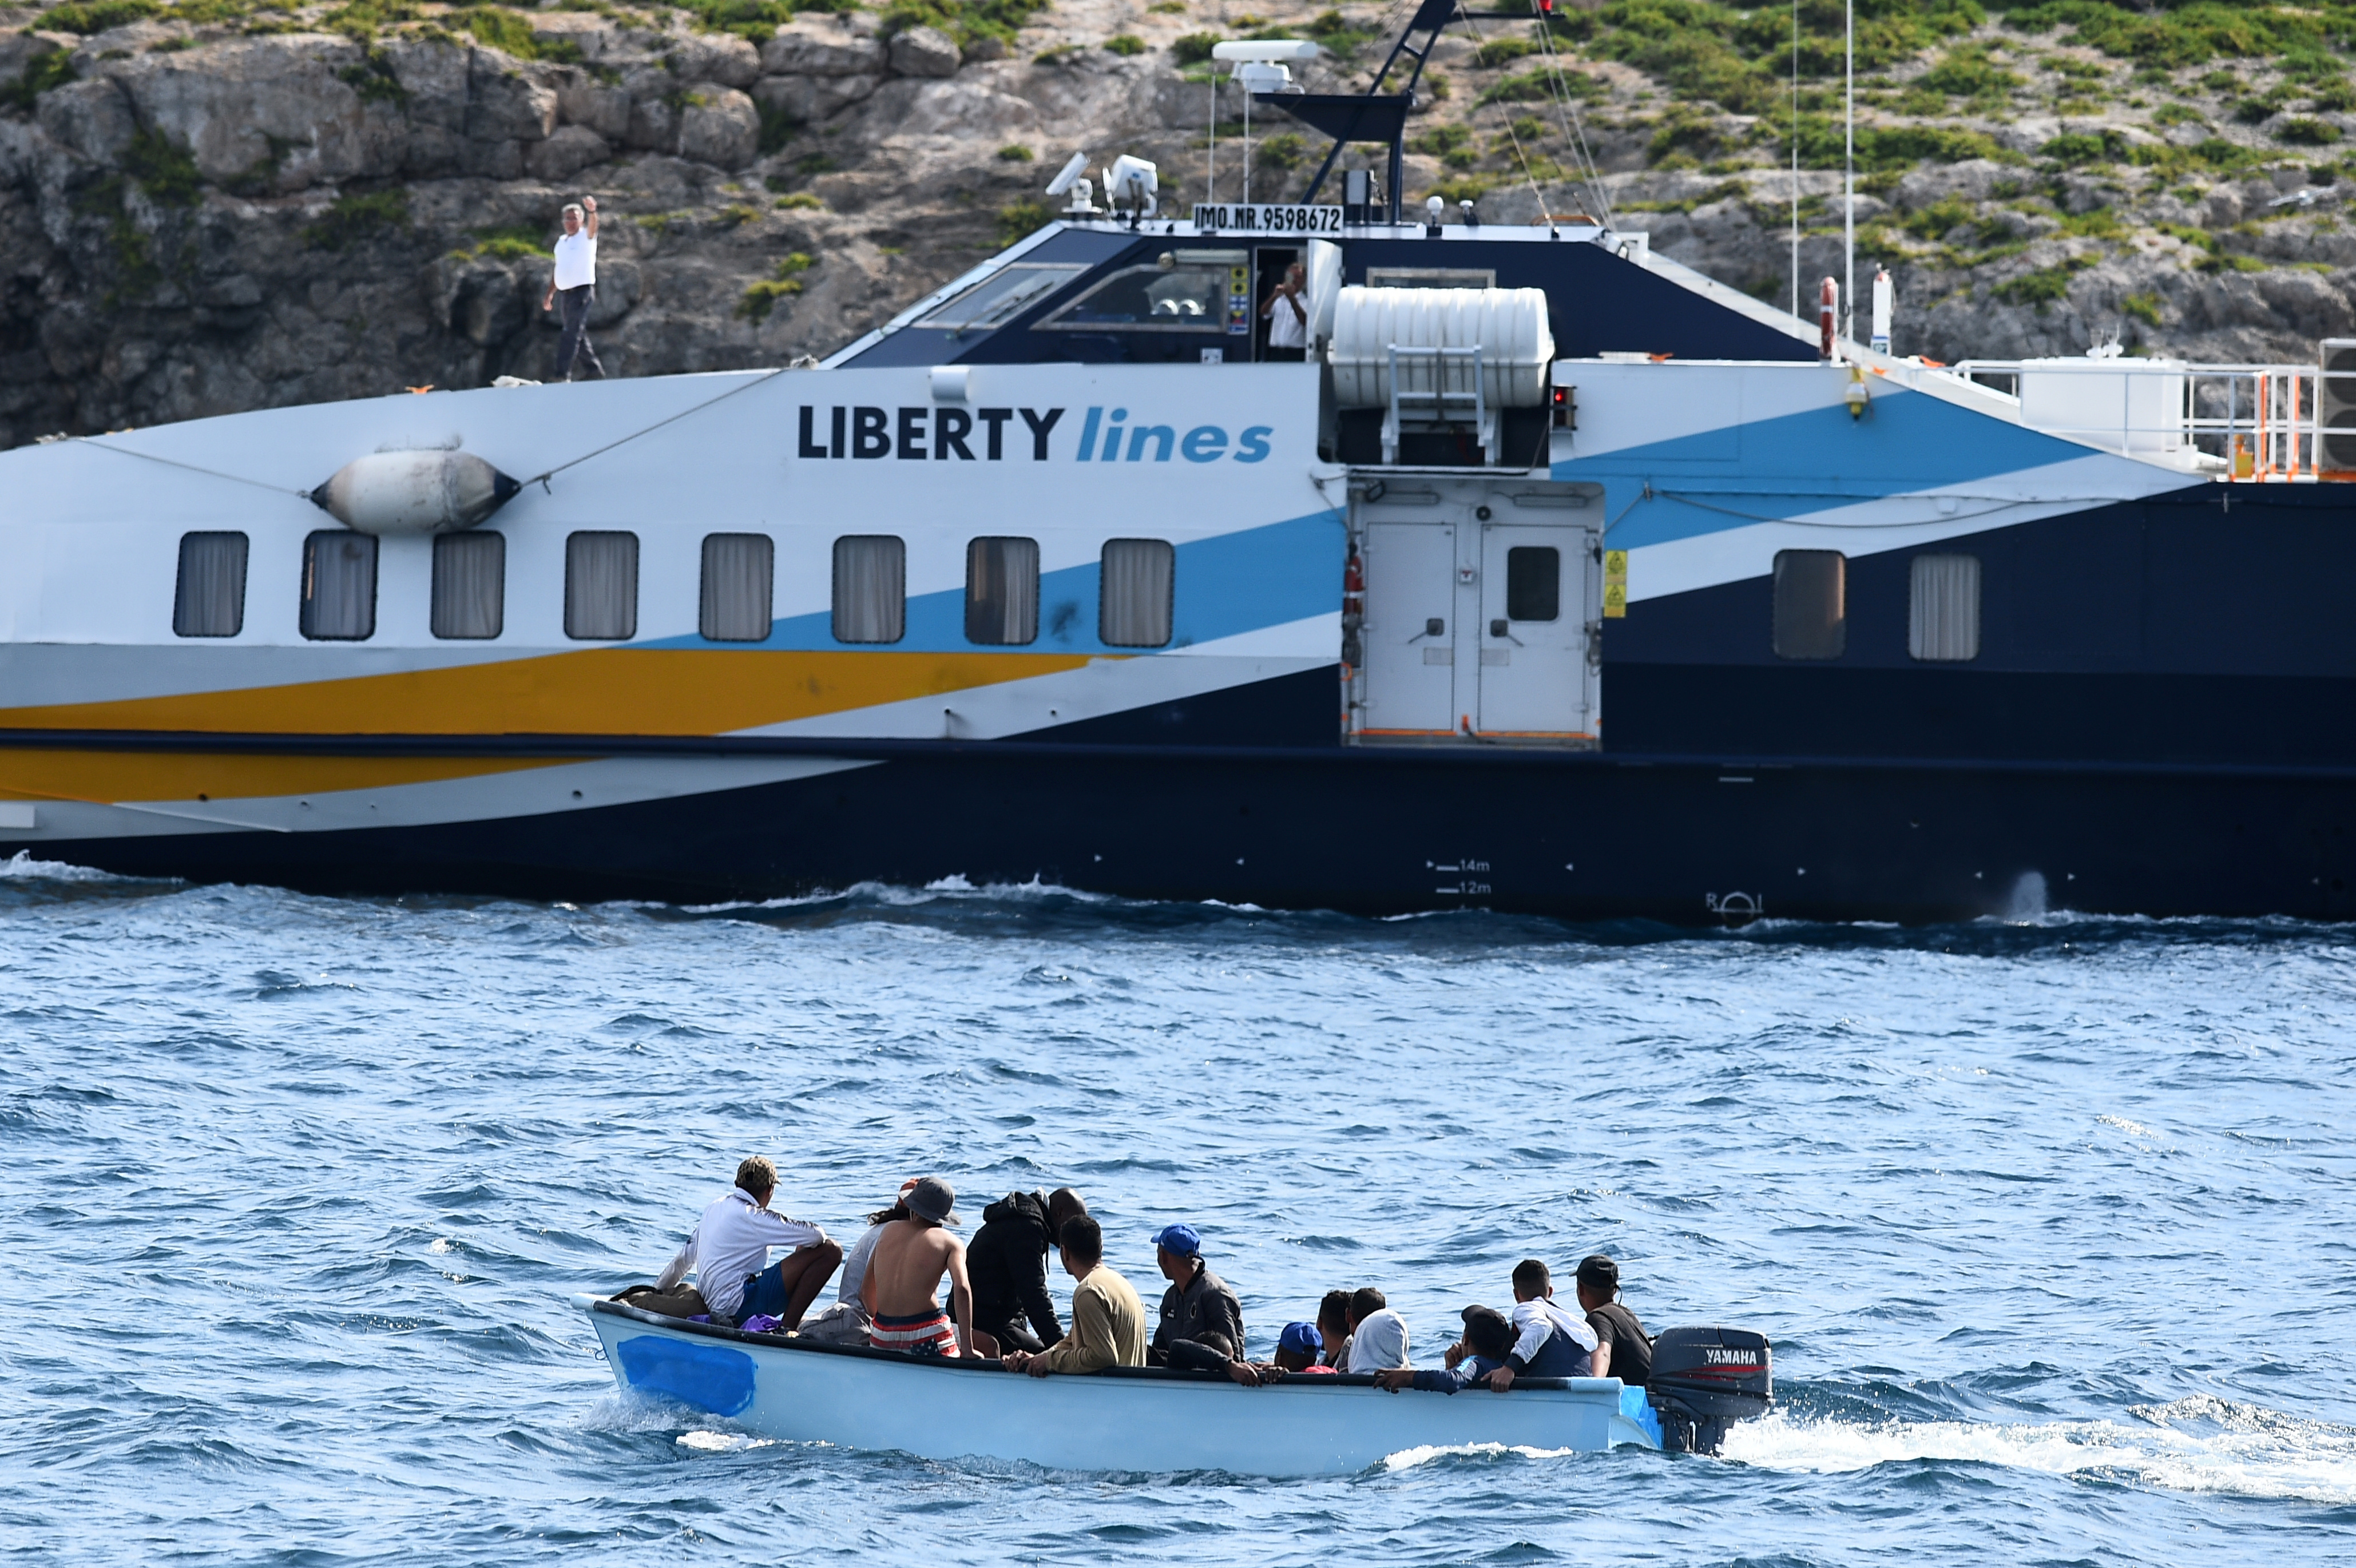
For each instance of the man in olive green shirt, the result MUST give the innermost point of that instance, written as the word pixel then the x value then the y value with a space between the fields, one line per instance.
pixel 1107 1319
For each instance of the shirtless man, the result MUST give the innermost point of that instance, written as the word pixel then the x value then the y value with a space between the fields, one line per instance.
pixel 903 1274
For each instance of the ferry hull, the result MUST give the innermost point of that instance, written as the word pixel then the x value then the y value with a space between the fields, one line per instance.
pixel 1150 1423
pixel 1684 840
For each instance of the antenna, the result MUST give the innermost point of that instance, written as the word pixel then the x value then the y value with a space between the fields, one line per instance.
pixel 1070 172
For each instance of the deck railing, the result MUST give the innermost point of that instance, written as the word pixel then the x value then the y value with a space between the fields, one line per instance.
pixel 2257 422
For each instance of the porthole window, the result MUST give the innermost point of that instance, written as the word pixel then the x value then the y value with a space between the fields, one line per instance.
pixel 601 586
pixel 738 573
pixel 870 588
pixel 338 586
pixel 1811 604
pixel 1943 610
pixel 208 600
pixel 1135 584
pixel 470 583
pixel 1002 591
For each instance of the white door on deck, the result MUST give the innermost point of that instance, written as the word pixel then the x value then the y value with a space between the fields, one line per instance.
pixel 1409 633
pixel 1533 631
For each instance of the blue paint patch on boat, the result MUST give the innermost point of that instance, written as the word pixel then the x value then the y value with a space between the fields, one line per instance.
pixel 709 1377
pixel 1636 1408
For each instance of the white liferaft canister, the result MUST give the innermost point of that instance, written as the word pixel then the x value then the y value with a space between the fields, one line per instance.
pixel 1508 325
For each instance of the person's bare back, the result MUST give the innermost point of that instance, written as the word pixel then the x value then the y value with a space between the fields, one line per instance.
pixel 904 1272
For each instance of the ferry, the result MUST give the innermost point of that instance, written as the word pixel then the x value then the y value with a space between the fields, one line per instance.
pixel 1552 576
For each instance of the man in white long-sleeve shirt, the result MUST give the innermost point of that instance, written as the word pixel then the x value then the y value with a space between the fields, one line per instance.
pixel 1548 1343
pixel 729 1251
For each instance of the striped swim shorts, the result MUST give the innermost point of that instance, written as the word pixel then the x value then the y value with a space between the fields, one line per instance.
pixel 926 1334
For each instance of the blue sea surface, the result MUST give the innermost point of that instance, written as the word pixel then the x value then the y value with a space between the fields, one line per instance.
pixel 2049 1222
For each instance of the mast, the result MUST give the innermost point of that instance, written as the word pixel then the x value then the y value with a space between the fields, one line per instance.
pixel 1796 156
pixel 1848 187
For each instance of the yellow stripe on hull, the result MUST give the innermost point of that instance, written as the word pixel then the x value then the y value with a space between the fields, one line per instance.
pixel 112 776
pixel 596 691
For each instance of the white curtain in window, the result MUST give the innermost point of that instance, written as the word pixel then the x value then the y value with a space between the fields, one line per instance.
pixel 1134 593
pixel 470 580
pixel 736 581
pixel 1943 620
pixel 870 588
pixel 339 586
pixel 210 599
pixel 1002 591
pixel 601 586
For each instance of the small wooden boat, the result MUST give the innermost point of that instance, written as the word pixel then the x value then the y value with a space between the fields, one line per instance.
pixel 1132 1419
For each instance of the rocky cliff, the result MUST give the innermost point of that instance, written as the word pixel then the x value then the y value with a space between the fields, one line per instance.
pixel 214 205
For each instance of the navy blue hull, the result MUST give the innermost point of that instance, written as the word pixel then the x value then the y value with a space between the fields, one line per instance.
pixel 1683 841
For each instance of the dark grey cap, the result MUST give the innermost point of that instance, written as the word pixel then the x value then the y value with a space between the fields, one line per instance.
pixel 1599 1272
pixel 935 1199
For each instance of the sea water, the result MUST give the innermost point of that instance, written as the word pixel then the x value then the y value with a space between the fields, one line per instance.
pixel 2050 1223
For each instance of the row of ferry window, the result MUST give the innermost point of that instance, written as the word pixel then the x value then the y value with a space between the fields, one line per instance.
pixel 1137 580
pixel 1942 607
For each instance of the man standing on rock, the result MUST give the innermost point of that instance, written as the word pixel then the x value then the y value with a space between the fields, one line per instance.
pixel 575 280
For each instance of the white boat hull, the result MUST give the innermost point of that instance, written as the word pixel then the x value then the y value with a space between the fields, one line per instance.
pixel 1150 1423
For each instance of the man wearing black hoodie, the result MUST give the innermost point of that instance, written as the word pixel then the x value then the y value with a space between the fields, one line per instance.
pixel 1006 1261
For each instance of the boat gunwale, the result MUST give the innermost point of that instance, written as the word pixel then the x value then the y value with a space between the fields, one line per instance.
pixel 992 1364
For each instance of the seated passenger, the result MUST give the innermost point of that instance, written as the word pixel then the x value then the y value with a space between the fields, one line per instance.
pixel 1209 1351
pixel 905 1272
pixel 1378 1335
pixel 1480 1355
pixel 1548 1342
pixel 1107 1319
pixel 1007 1260
pixel 845 1323
pixel 1298 1350
pixel 731 1243
pixel 1197 1299
pixel 1334 1329
pixel 1623 1350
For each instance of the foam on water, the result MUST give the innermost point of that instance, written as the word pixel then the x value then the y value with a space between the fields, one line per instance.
pixel 2247 1452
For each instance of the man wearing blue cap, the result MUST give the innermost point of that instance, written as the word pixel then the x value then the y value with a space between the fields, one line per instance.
pixel 1197 1299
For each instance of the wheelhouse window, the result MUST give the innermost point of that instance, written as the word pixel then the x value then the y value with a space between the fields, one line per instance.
pixel 209 600
pixel 1134 588
pixel 1942 611
pixel 470 585
pixel 738 573
pixel 338 586
pixel 1533 583
pixel 870 588
pixel 1189 295
pixel 1811 604
pixel 1002 591
pixel 1001 296
pixel 601 586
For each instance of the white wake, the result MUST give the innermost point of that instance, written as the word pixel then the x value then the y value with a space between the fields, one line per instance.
pixel 2199 1445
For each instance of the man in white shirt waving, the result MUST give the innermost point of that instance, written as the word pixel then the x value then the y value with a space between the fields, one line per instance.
pixel 731 1245
pixel 575 280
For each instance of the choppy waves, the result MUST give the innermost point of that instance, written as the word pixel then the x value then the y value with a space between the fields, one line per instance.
pixel 2045 1217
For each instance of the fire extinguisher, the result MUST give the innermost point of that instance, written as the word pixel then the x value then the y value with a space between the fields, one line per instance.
pixel 1354 610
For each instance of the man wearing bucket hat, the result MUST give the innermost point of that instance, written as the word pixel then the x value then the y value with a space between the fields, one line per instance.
pixel 1197 1299
pixel 903 1278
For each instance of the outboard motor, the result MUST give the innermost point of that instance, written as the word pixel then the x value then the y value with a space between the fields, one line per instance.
pixel 1705 1379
